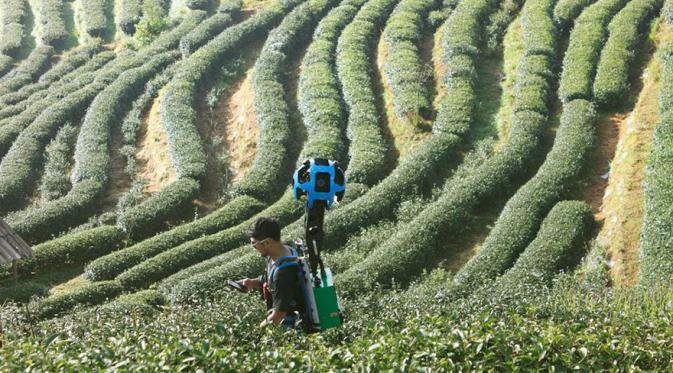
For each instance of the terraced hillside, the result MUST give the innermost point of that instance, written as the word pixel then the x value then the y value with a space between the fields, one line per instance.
pixel 496 153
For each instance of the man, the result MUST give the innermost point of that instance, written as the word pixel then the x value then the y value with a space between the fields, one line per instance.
pixel 280 282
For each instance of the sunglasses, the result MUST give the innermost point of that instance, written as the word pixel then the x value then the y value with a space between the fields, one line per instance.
pixel 254 244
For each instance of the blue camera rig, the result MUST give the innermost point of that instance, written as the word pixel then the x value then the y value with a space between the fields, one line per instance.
pixel 322 182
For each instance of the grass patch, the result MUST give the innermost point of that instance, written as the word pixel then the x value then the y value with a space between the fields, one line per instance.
pixel 22 290
pixel 616 186
pixel 512 53
pixel 405 133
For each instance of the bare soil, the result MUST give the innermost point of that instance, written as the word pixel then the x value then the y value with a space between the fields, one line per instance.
pixel 405 134
pixel 154 161
pixel 616 190
pixel 240 128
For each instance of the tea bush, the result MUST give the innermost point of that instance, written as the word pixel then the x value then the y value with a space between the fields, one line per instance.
pixel 91 152
pixel 51 21
pixel 6 64
pixel 69 63
pixel 152 215
pixel 586 41
pixel 110 266
pixel 197 4
pixel 558 246
pixel 28 70
pixel 130 15
pixel 408 251
pixel 567 11
pixel 94 17
pixel 268 176
pixel 369 150
pixel 628 30
pixel 204 33
pixel 55 181
pixel 403 68
pixel 286 210
pixel 12 26
pixel 90 294
pixel 656 263
pixel 319 95
pixel 177 113
pixel 19 116
pixel 521 218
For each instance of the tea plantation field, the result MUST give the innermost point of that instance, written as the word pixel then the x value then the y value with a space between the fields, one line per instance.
pixel 509 171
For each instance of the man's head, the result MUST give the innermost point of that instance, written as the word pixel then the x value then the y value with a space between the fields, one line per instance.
pixel 264 235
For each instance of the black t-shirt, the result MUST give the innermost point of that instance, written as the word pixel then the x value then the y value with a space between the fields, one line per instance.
pixel 285 290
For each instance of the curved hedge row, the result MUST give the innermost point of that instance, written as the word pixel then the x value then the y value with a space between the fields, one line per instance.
pixel 557 247
pixel 6 64
pixel 80 57
pixel 413 248
pixel 177 107
pixel 95 17
pixel 319 95
pixel 177 112
pixel 232 7
pixel 129 15
pixel 378 204
pixel 197 4
pixel 166 41
pixel 134 119
pixel 422 169
pixel 91 153
pixel 152 215
pixel 55 181
pixel 369 149
pixel 51 21
pixel 667 11
pixel 156 9
pixel 499 21
pixel 627 31
pixel 90 294
pixel 11 25
pixel 269 174
pixel 92 158
pixel 76 248
pixel 540 33
pixel 18 169
pixel 586 41
pixel 566 11
pixel 145 302
pixel 403 66
pixel 520 219
pixel 110 266
pixel 171 39
pixel 656 244
pixel 285 211
pixel 69 63
pixel 204 33
pixel 203 278
pixel 19 116
pixel 29 70
pixel 461 44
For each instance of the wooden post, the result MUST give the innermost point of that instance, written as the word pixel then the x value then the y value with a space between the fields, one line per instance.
pixel 15 270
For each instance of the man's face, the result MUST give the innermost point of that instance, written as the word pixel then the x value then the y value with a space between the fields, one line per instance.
pixel 260 246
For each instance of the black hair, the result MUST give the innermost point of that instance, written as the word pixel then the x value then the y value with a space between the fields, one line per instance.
pixel 263 228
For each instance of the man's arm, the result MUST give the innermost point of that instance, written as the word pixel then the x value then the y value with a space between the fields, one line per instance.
pixel 284 296
pixel 251 283
pixel 275 317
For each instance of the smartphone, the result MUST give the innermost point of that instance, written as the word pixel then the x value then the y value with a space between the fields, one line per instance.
pixel 237 285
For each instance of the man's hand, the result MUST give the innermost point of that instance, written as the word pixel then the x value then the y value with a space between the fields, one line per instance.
pixel 251 283
pixel 275 317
